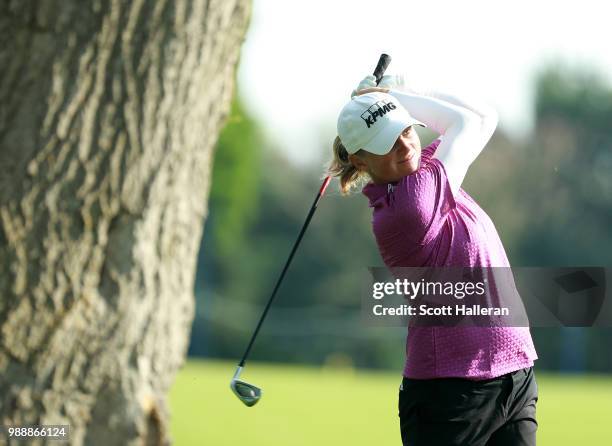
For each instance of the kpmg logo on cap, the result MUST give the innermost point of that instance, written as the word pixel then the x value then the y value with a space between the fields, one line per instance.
pixel 376 111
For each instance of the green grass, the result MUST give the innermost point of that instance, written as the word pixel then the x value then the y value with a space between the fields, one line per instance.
pixel 314 406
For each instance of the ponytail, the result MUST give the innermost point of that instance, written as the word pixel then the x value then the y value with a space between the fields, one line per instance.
pixel 340 166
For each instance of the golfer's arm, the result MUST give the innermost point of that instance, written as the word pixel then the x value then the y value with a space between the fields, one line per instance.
pixel 485 111
pixel 460 126
pixel 488 115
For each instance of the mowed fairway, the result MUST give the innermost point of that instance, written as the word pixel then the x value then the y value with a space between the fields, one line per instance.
pixel 308 405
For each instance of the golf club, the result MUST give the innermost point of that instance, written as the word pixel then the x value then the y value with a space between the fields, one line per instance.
pixel 250 394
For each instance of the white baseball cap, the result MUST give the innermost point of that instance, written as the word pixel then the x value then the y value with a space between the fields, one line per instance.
pixel 373 122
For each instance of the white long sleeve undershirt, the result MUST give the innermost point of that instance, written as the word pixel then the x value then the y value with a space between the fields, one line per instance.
pixel 466 127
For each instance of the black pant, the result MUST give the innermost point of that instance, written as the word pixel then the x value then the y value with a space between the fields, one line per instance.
pixel 455 411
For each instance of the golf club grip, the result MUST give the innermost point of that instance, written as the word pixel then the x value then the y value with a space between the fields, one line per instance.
pixel 383 62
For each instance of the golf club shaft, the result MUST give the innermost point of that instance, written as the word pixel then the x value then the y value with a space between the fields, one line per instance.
pixel 381 66
pixel 287 263
pixel 383 62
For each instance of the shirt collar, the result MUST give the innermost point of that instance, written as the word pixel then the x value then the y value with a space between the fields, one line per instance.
pixel 376 193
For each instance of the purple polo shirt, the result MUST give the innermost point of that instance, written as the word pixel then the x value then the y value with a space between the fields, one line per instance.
pixel 417 221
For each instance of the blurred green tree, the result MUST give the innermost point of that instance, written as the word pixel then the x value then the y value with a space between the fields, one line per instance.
pixel 234 194
pixel 569 195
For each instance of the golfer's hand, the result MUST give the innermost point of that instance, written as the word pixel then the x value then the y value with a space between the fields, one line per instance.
pixel 394 81
pixel 370 90
pixel 367 82
pixel 389 81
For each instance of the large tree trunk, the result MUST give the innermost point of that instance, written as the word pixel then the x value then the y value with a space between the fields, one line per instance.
pixel 109 111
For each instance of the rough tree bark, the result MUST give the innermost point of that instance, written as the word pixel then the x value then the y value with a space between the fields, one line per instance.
pixel 108 115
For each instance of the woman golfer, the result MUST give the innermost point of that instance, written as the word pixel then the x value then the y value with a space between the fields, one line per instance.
pixel 461 385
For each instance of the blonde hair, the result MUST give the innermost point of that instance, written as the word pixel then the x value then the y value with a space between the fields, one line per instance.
pixel 340 166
